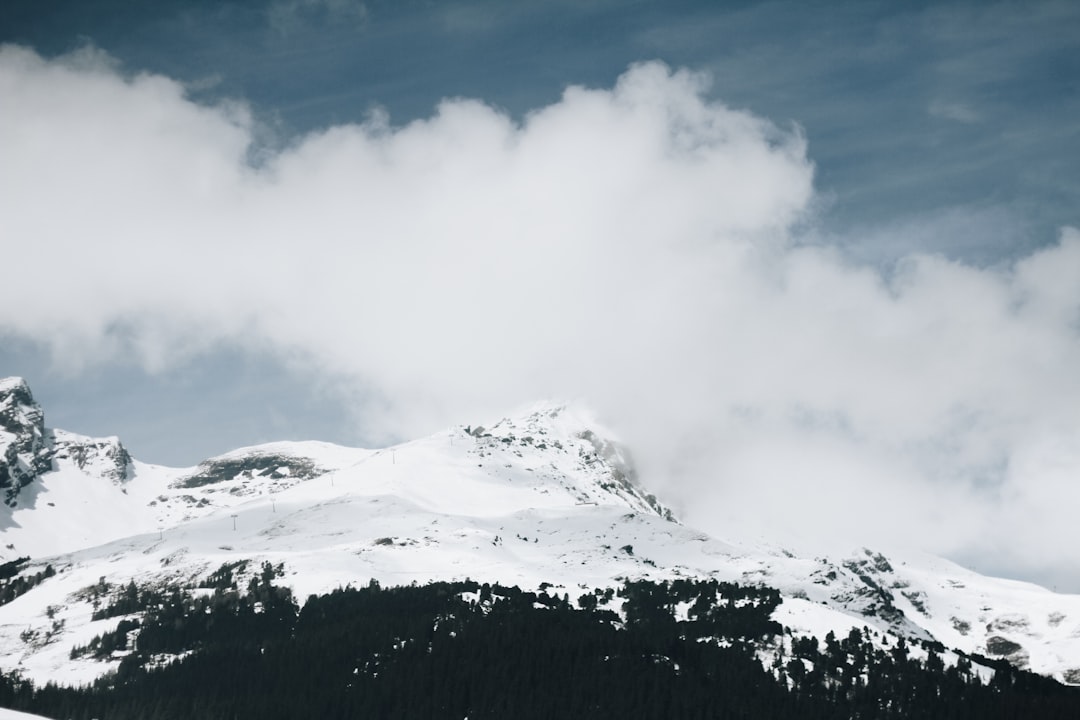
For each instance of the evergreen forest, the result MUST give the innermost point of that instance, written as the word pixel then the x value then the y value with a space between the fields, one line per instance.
pixel 232 650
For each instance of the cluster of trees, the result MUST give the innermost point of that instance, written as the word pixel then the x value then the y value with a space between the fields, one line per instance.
pixel 685 649
pixel 716 609
pixel 176 620
pixel 12 585
pixel 872 682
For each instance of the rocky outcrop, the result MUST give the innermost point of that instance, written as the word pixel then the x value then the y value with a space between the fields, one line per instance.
pixel 253 464
pixel 24 447
pixel 101 457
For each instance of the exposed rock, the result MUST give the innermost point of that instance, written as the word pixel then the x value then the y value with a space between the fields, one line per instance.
pixel 1006 623
pixel 998 646
pixel 24 450
pixel 105 457
pixel 269 465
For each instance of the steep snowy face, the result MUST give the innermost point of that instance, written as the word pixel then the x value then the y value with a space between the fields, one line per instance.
pixel 24 449
pixel 560 444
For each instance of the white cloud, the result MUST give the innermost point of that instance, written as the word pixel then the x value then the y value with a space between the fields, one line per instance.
pixel 629 246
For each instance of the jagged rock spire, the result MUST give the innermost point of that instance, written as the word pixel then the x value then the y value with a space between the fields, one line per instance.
pixel 24 446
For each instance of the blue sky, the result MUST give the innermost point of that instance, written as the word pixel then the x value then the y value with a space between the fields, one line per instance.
pixel 946 131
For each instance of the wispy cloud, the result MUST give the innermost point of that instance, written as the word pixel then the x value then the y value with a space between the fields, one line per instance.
pixel 288 16
pixel 957 111
pixel 631 246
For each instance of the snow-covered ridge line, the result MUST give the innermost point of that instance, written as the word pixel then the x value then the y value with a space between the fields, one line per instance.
pixel 544 497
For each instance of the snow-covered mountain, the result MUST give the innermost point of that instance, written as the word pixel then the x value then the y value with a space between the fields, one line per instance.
pixel 546 497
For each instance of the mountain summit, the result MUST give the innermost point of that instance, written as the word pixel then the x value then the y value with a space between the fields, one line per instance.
pixel 28 450
pixel 24 452
pixel 544 499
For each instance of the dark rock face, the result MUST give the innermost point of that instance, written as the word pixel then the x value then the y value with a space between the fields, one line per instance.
pixel 269 465
pixel 998 645
pixel 24 446
pixel 1014 652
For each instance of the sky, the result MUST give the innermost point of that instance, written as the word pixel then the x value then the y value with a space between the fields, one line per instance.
pixel 817 264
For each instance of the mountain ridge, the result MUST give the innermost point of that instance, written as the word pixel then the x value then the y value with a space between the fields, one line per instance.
pixel 545 498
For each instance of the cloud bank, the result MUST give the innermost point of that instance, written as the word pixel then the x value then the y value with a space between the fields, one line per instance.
pixel 632 247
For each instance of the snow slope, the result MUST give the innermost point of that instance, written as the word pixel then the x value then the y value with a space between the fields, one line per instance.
pixel 544 497
pixel 16 715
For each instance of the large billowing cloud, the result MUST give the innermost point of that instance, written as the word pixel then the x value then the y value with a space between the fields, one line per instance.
pixel 631 247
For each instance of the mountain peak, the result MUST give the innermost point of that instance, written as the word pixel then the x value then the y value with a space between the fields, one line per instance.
pixel 19 411
pixel 23 443
pixel 28 449
pixel 550 426
pixel 13 383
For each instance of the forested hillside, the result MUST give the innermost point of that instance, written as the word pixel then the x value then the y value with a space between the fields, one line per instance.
pixel 684 649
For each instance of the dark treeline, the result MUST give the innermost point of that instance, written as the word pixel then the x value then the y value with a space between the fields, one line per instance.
pixel 12 585
pixel 457 650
